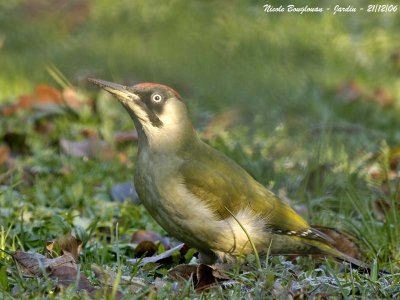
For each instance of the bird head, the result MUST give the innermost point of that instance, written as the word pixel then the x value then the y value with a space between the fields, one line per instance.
pixel 158 111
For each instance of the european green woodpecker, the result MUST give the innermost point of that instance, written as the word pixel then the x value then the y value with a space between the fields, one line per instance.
pixel 200 196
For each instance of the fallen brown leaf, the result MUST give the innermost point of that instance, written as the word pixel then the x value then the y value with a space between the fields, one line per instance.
pixel 89 148
pixel 32 264
pixel 142 235
pixel 183 271
pixel 68 243
pixel 349 91
pixel 125 136
pixel 66 276
pixel 64 269
pixel 145 249
pixel 4 154
pixel 89 133
pixel 382 97
pixel 203 276
pixel 45 95
pixel 123 158
pixel 72 98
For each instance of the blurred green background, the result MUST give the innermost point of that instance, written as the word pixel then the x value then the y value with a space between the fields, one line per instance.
pixel 216 53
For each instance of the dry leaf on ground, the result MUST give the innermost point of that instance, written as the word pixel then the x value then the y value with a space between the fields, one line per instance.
pixel 203 276
pixel 125 136
pixel 89 148
pixel 90 133
pixel 142 235
pixel 66 243
pixel 4 154
pixel 145 249
pixel 64 269
pixel 33 264
pixel 382 97
pixel 349 91
pixel 45 95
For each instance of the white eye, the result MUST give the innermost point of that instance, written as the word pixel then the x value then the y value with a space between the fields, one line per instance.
pixel 156 97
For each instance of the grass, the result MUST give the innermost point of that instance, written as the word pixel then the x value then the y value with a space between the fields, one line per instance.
pixel 300 135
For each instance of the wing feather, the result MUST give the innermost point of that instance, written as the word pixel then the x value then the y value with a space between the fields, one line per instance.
pixel 221 183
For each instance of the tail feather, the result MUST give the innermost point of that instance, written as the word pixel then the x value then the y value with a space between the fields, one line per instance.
pixel 329 250
pixel 341 240
pixel 342 246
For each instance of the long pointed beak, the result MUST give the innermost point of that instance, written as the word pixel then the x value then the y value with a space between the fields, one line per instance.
pixel 118 90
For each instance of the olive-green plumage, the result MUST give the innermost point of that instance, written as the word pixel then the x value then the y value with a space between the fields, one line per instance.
pixel 221 184
pixel 192 190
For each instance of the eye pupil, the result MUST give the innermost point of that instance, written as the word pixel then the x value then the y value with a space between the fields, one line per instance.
pixel 157 98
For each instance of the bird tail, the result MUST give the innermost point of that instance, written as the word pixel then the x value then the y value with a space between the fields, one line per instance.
pixel 341 245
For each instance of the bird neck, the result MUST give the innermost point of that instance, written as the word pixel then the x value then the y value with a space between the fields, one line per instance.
pixel 168 141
